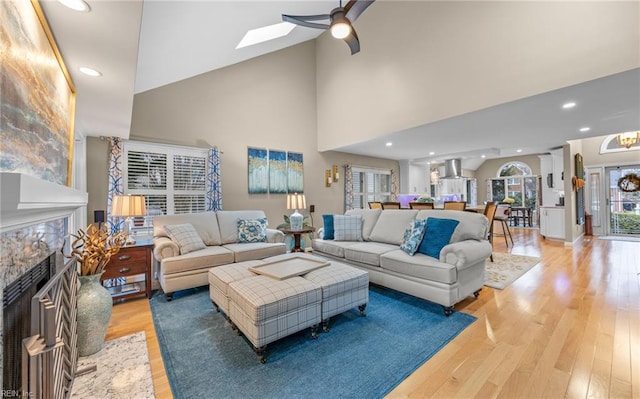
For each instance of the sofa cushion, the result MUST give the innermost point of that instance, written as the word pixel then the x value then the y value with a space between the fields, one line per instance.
pixel 369 219
pixel 391 225
pixel 331 247
pixel 256 250
pixel 327 222
pixel 206 224
pixel 228 222
pixel 214 255
pixel 252 230
pixel 413 236
pixel 186 236
pixel 419 266
pixel 368 252
pixel 347 227
pixel 437 234
pixel 473 226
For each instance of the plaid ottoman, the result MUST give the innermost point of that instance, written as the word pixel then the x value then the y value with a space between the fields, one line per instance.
pixel 343 288
pixel 265 309
pixel 221 276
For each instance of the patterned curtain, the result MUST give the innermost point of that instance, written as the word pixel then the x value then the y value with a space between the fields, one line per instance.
pixel 489 191
pixel 394 185
pixel 114 224
pixel 214 182
pixel 348 187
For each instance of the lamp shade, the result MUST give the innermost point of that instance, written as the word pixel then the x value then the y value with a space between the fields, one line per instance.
pixel 128 205
pixel 296 201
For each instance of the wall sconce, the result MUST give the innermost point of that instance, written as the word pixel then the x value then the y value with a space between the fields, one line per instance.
pixel 336 175
pixel 327 178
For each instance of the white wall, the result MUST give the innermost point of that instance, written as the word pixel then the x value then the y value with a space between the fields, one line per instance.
pixel 423 61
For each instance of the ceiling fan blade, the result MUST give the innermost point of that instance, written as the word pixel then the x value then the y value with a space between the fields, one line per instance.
pixel 353 42
pixel 356 7
pixel 303 20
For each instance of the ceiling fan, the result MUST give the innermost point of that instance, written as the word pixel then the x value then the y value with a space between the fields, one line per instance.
pixel 340 21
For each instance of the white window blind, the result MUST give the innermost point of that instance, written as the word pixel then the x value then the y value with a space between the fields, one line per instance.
pixel 370 185
pixel 171 178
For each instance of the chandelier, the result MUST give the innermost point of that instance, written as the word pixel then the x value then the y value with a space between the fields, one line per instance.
pixel 628 139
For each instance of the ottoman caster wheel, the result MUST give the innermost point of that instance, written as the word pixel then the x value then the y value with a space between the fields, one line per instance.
pixel 361 308
pixel 476 294
pixel 325 326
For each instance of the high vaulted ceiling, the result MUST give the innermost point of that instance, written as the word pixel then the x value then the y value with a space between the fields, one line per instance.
pixel 139 46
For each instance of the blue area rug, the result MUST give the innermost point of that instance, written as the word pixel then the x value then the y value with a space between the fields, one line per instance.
pixel 360 357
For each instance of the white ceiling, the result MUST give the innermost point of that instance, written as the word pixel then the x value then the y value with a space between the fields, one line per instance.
pixel 140 46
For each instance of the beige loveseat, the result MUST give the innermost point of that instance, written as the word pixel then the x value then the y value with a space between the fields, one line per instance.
pixel 219 233
pixel 447 280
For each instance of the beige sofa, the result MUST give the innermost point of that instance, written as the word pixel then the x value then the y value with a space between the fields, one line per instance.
pixel 455 275
pixel 219 232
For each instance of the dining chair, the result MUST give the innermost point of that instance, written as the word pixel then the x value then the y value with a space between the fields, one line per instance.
pixel 502 216
pixel 390 205
pixel 455 205
pixel 375 205
pixel 421 205
pixel 490 213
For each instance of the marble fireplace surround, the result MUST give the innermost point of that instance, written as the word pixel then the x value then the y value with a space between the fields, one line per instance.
pixel 32 216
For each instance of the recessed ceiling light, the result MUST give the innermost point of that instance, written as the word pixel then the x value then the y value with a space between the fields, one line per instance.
pixel 431 153
pixel 483 156
pixel 518 150
pixel 389 144
pixel 585 129
pixel 90 71
pixel 568 105
pixel 78 5
pixel 266 33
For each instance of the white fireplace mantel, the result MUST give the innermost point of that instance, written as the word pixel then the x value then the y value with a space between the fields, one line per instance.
pixel 26 200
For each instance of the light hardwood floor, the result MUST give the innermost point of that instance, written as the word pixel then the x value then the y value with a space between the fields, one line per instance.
pixel 570 327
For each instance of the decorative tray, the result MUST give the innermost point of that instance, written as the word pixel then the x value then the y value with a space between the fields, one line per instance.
pixel 289 267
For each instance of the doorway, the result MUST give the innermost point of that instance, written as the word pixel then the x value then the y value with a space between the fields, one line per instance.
pixel 623 205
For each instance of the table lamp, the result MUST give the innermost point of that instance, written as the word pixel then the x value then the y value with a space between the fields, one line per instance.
pixel 296 201
pixel 128 206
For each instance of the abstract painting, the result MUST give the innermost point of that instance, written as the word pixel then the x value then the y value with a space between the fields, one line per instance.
pixel 277 172
pixel 38 98
pixel 295 175
pixel 258 170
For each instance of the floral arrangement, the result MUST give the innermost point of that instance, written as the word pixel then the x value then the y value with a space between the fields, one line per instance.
pixel 425 198
pixel 93 248
pixel 508 200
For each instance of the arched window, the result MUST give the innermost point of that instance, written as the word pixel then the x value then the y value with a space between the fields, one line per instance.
pixel 514 183
pixel 514 169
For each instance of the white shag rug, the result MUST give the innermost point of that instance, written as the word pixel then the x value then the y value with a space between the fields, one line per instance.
pixel 123 371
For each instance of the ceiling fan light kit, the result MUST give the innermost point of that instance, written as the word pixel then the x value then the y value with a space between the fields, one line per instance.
pixel 340 21
pixel 340 25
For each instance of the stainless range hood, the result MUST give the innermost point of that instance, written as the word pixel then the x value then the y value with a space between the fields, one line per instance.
pixel 452 169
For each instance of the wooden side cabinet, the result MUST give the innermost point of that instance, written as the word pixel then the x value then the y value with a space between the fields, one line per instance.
pixel 128 273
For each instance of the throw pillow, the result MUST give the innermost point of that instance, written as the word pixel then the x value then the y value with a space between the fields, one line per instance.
pixel 347 228
pixel 252 230
pixel 413 236
pixel 327 220
pixel 185 236
pixel 437 234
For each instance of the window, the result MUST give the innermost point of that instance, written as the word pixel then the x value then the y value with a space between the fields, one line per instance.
pixel 515 180
pixel 171 178
pixel 370 185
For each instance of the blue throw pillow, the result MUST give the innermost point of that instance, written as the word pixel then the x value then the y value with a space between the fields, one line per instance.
pixel 413 236
pixel 437 234
pixel 327 220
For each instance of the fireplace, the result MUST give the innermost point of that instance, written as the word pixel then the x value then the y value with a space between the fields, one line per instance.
pixel 16 308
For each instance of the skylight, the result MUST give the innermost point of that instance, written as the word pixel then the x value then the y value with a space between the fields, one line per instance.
pixel 259 35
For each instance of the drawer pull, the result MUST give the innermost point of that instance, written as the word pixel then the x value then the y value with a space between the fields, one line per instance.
pixel 124 257
pixel 125 270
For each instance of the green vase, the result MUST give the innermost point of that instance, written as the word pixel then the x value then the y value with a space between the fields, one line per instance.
pixel 94 312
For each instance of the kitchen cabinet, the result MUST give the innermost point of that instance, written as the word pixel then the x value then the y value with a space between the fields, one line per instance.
pixel 552 222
